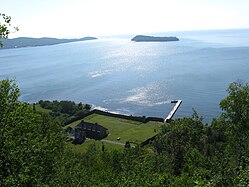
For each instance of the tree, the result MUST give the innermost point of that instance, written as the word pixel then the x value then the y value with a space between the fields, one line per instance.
pixel 180 136
pixel 5 27
pixel 236 116
pixel 29 144
pixel 87 107
pixel 236 104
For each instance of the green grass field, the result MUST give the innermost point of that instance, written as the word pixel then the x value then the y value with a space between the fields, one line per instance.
pixel 38 108
pixel 127 130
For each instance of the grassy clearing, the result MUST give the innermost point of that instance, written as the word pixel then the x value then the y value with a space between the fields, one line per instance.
pixel 127 130
pixel 38 108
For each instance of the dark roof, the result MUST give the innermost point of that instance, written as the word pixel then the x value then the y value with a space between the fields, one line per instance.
pixel 91 126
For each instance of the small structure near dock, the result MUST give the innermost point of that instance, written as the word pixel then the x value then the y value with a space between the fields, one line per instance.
pixel 173 111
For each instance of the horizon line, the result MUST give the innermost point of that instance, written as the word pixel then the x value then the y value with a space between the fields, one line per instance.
pixel 135 33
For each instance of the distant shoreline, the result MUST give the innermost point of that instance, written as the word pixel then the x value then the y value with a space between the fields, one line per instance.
pixel 36 42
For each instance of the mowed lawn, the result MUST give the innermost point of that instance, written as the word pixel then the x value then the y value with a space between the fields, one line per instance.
pixel 127 130
pixel 38 108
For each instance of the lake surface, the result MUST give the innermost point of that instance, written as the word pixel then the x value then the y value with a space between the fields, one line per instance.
pixel 134 78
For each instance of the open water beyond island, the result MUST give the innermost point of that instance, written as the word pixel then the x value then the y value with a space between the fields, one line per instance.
pixel 134 78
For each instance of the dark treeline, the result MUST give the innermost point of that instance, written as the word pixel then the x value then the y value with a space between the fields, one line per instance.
pixel 65 107
pixel 185 153
pixel 65 111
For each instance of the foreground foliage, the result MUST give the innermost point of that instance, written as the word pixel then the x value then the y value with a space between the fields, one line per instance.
pixel 29 144
pixel 185 153
pixel 5 27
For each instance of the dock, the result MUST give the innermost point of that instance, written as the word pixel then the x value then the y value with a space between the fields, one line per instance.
pixel 173 111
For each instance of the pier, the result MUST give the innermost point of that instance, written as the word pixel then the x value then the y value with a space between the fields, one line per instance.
pixel 173 111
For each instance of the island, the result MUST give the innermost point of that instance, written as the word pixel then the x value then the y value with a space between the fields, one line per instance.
pixel 33 42
pixel 143 38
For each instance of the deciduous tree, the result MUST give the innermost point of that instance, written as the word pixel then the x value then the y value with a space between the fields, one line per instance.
pixel 29 144
pixel 5 26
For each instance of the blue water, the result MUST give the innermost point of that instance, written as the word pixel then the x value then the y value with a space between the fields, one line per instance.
pixel 134 78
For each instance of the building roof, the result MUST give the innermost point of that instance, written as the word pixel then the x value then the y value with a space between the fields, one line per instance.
pixel 91 126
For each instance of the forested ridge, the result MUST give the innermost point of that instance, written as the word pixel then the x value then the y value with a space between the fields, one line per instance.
pixel 187 152
pixel 33 42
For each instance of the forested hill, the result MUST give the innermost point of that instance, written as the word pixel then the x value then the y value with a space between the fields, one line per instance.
pixel 31 42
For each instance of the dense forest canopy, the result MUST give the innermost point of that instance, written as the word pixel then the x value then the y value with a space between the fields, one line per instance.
pixel 186 152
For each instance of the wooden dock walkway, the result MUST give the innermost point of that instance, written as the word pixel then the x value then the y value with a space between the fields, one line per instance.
pixel 173 111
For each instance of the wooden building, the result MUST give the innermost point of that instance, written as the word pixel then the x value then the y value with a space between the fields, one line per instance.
pixel 93 130
pixel 85 130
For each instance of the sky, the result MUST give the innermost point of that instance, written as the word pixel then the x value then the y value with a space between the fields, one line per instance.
pixel 80 18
